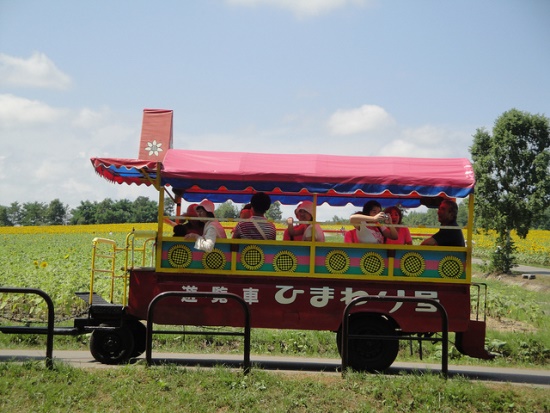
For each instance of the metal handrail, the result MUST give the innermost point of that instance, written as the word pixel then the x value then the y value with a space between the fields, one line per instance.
pixel 49 331
pixel 161 296
pixel 435 303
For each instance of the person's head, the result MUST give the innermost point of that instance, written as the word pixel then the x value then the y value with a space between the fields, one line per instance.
pixel 304 211
pixel 395 213
pixel 447 212
pixel 371 208
pixel 205 209
pixel 191 211
pixel 260 203
pixel 246 212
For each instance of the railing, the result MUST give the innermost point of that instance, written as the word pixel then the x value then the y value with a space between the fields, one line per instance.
pixel 479 287
pixel 245 334
pixel 48 331
pixel 444 328
pixel 109 255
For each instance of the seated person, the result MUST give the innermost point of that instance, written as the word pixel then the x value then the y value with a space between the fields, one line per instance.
pixel 190 226
pixel 246 212
pixel 302 231
pixel 258 227
pixel 403 233
pixel 351 235
pixel 446 214
pixel 212 228
pixel 372 233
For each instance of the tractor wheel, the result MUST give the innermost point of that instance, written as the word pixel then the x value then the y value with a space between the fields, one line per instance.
pixel 370 354
pixel 139 331
pixel 114 346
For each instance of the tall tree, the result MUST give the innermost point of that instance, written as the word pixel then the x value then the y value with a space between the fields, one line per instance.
pixel 274 212
pixel 14 213
pixel 169 206
pixel 33 214
pixel 144 210
pixel 513 180
pixel 227 210
pixel 4 221
pixel 84 214
pixel 56 213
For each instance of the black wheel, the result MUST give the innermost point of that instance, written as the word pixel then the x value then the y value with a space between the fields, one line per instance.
pixel 112 346
pixel 139 331
pixel 370 354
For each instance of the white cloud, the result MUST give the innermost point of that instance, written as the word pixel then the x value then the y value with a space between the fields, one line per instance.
pixel 38 71
pixel 427 141
pixel 45 151
pixel 364 119
pixel 303 8
pixel 15 111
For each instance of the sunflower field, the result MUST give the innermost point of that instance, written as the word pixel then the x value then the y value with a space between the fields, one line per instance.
pixel 57 260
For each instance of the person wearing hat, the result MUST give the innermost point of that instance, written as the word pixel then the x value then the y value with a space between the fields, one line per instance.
pixel 368 224
pixel 212 228
pixel 190 226
pixel 302 231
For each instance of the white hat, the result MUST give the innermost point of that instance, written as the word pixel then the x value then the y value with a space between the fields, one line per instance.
pixel 306 206
pixel 207 205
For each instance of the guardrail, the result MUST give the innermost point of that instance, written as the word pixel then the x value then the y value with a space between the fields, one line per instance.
pixel 48 331
pixel 161 296
pixel 444 328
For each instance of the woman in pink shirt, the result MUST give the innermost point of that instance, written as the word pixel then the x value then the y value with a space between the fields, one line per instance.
pixel 403 233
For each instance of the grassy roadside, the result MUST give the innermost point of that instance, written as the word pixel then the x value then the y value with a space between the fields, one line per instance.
pixel 31 387
pixel 518 333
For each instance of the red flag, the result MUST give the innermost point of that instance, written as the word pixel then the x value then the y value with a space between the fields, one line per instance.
pixel 156 134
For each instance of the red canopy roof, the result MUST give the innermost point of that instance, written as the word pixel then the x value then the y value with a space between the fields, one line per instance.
pixel 335 179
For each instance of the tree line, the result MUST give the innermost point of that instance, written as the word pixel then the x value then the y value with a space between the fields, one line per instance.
pixel 144 210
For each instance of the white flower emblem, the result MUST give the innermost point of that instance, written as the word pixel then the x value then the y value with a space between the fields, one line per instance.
pixel 154 148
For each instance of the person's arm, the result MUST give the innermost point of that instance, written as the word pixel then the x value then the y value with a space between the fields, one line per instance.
pixel 207 241
pixel 294 230
pixel 390 232
pixel 356 219
pixel 429 241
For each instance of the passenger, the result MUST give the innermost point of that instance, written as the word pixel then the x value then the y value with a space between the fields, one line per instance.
pixel 302 232
pixel 446 214
pixel 350 236
pixel 190 226
pixel 258 227
pixel 403 233
pixel 373 233
pixel 212 229
pixel 246 212
pixel 180 230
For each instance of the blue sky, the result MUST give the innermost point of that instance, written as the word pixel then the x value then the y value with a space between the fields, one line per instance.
pixel 361 77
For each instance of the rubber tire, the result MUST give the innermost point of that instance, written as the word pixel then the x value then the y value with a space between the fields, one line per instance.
pixel 370 355
pixel 139 331
pixel 112 346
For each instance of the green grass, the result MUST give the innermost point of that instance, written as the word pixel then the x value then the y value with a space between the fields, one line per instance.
pixel 136 388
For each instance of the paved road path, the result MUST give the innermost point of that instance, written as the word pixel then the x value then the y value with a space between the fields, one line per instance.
pixel 522 269
pixel 290 365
